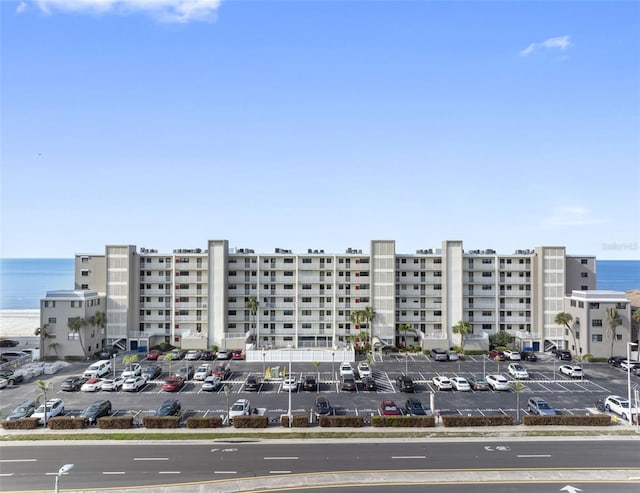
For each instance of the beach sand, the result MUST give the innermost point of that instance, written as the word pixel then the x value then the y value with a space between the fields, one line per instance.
pixel 19 323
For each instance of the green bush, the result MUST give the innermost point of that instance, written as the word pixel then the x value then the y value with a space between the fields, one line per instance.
pixel 250 422
pixel 209 422
pixel 461 421
pixel 21 424
pixel 161 421
pixel 66 423
pixel 403 421
pixel 115 422
pixel 298 421
pixel 568 420
pixel 341 421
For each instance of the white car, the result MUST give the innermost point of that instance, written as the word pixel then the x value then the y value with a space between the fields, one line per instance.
pixel 202 372
pixel 134 370
pixel 620 406
pixel 112 384
pixel 134 384
pixel 52 408
pixel 92 385
pixel 346 369
pixel 461 384
pixel 512 355
pixel 571 371
pixel 497 382
pixel 442 382
pixel 518 371
pixel 364 370
pixel 241 407
pixel 211 383
pixel 629 365
pixel 3 383
pixel 290 383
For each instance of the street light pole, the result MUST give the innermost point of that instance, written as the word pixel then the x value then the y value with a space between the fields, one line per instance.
pixel 63 470
pixel 333 365
pixel 290 385
pixel 629 344
pixel 227 390
pixel 264 370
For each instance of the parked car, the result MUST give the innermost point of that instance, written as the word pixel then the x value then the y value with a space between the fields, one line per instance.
pixel 9 343
pixel 512 355
pixel 496 355
pixel 368 383
pixel 237 354
pixel 309 383
pixel 572 371
pixel 322 407
pixel 478 383
pixel 172 384
pixel 251 384
pixel 346 369
pixel 241 407
pixel 453 356
pixel 223 354
pixel 518 371
pixel 133 384
pixel 107 352
pixel 48 410
pixel 222 370
pixel 132 370
pixel 636 371
pixel 439 354
pixel 72 384
pixel 99 369
pixel 460 384
pixel 441 382
pixel 626 364
pixel 152 372
pixel 177 354
pixel 538 405
pixel 193 355
pixel 95 411
pixel 528 356
pixel 405 383
pixel 389 408
pixel 186 372
pixel 112 384
pixel 211 383
pixel 207 356
pixel 348 383
pixel 92 385
pixel 202 372
pixel 290 384
pixel 562 354
pixel 364 370
pixel 12 377
pixel 616 360
pixel 497 382
pixel 13 355
pixel 23 410
pixel 413 407
pixel 170 407
pixel 154 354
pixel 620 406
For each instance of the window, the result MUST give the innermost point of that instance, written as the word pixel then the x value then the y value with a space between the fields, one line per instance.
pixel 306 260
pixel 52 320
pixel 232 313
pixel 289 299
pixel 289 312
pixel 486 260
pixel 487 287
pixel 305 313
pixel 573 303
pixel 85 273
pixel 306 286
pixel 618 337
pixel 288 260
pixel 584 261
pixel 73 336
pixel 486 274
pixel 84 286
pixel 289 286
pixel 596 337
pixel 594 306
pixel 596 322
pixel 288 273
pixel 584 274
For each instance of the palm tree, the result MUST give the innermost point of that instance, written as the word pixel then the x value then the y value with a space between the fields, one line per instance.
pixel 76 325
pixel 369 314
pixel 564 318
pixel 462 328
pixel 614 321
pixel 357 317
pixel 251 303
pixel 130 360
pixel 43 334
pixel 407 328
pixel 98 320
pixel 43 387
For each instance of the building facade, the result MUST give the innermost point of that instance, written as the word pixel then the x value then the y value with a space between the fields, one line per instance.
pixel 202 297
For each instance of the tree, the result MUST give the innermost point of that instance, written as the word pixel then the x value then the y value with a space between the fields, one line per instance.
pixel 613 321
pixel 369 315
pixel 406 328
pixel 77 325
pixel 130 360
pixel 500 338
pixel 565 319
pixel 98 320
pixel 635 316
pixel 317 365
pixel 43 333
pixel 43 387
pixel 356 317
pixel 462 328
pixel 251 303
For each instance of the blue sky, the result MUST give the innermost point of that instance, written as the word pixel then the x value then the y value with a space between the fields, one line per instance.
pixel 305 124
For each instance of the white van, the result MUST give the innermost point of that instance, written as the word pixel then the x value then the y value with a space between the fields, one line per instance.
pixel 98 369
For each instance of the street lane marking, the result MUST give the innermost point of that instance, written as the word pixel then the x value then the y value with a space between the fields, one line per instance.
pixel 408 456
pixel 6 474
pixel 17 460
pixel 168 472
pixel 281 458
pixel 279 472
pixel 112 472
pixel 534 455
pixel 150 458
pixel 225 472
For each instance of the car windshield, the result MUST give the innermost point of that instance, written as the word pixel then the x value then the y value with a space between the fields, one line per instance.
pixel 237 407
pixel 21 409
pixel 543 405
pixel 92 408
pixel 624 404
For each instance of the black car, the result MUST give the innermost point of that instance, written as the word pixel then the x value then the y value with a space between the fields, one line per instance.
pixel 251 384
pixel 152 372
pixel 322 407
pixel 477 383
pixel 528 356
pixel 170 407
pixel 8 343
pixel 405 384
pixel 413 407
pixel 309 383
pixel 207 356
pixel 107 353
pixel 368 383
pixel 562 354
pixel 95 411
pixel 615 361
pixel 23 410
pixel 72 384
pixel 348 383
pixel 11 376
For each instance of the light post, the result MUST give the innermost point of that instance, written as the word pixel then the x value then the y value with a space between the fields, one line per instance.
pixel 114 366
pixel 629 344
pixel 264 369
pixel 406 363
pixel 333 365
pixel 484 366
pixel 227 391
pixel 290 385
pixel 63 470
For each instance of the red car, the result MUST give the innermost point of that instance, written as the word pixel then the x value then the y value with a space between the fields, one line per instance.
pixel 172 384
pixel 389 408
pixel 154 354
pixel 497 355
pixel 237 354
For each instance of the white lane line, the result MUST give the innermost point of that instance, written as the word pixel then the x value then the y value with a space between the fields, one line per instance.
pixel 151 458
pixel 279 472
pixel 6 474
pixel 225 472
pixel 168 472
pixel 3 461
pixel 281 458
pixel 106 473
pixel 408 456
pixel 533 455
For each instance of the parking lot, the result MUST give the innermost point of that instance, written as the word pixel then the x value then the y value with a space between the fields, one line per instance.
pixel 566 395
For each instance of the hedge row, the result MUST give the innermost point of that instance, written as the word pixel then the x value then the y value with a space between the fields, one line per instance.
pixel 403 421
pixel 161 422
pixel 298 421
pixel 250 422
pixel 341 421
pixel 21 424
pixel 459 421
pixel 570 420
pixel 66 423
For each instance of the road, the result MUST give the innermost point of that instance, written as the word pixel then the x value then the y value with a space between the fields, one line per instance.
pixel 479 465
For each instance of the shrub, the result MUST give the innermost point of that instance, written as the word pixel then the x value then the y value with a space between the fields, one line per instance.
pixel 210 422
pixel 568 420
pixel 403 421
pixel 250 422
pixel 65 423
pixel 161 421
pixel 341 421
pixel 460 421
pixel 21 424
pixel 115 422
pixel 298 421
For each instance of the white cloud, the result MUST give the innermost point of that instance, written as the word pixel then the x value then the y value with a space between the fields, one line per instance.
pixel 180 11
pixel 568 216
pixel 562 43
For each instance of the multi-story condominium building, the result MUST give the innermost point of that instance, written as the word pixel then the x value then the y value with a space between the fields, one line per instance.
pixel 204 297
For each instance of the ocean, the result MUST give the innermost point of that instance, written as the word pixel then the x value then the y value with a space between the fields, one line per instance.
pixel 23 282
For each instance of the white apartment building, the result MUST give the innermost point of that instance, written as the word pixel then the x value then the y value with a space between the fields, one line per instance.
pixel 198 297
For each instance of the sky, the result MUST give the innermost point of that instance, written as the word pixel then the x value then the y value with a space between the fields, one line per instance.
pixel 319 124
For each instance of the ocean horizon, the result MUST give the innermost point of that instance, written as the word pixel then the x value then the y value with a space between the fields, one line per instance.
pixel 25 281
